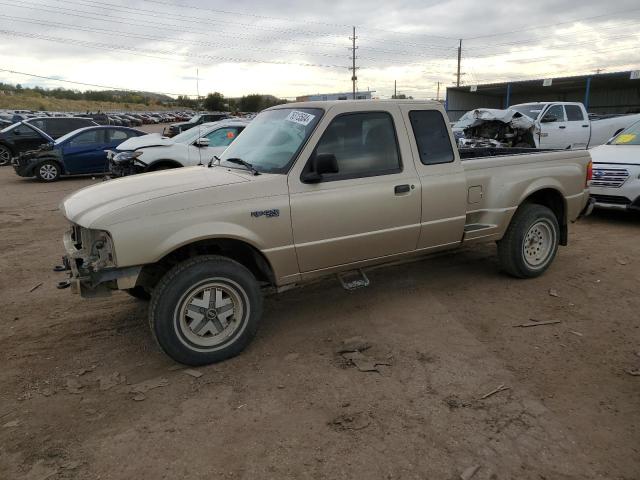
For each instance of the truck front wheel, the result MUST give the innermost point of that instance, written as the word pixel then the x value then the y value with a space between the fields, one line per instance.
pixel 205 310
pixel 530 243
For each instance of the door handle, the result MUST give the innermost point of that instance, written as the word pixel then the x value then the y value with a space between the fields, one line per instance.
pixel 585 126
pixel 401 189
pixel 562 126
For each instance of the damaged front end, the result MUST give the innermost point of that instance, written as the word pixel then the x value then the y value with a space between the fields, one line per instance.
pixel 486 127
pixel 91 263
pixel 122 164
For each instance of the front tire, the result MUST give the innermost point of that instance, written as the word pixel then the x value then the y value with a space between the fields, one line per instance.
pixel 5 156
pixel 530 243
pixel 139 292
pixel 48 171
pixel 205 310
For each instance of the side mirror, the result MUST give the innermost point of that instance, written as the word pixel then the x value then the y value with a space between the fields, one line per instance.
pixel 319 165
pixel 202 142
pixel 549 118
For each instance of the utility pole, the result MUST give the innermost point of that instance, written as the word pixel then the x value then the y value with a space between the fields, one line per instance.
pixel 395 89
pixel 353 68
pixel 438 93
pixel 459 62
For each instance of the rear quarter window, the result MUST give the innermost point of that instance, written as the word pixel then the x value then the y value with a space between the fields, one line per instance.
pixel 432 137
pixel 574 113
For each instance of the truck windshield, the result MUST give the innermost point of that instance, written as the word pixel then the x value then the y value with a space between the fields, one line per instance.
pixel 531 110
pixel 273 139
pixel 630 136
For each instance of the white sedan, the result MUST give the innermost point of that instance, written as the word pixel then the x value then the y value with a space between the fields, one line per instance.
pixel 616 171
pixel 195 146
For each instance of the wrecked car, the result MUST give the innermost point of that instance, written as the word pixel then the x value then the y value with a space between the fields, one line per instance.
pixel 192 147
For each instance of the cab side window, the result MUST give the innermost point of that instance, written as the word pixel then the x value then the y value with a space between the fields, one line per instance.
pixel 364 145
pixel 556 111
pixel 432 137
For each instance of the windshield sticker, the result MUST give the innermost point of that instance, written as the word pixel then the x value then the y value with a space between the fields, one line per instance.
pixel 230 135
pixel 626 138
pixel 300 118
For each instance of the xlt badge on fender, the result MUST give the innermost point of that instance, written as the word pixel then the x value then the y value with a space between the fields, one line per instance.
pixel 266 213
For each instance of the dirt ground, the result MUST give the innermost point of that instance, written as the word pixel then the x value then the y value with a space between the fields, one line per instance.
pixel 86 394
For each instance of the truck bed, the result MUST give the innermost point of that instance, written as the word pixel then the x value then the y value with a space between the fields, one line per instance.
pixel 483 152
pixel 504 177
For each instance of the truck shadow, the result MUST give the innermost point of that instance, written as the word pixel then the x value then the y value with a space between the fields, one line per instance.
pixel 613 216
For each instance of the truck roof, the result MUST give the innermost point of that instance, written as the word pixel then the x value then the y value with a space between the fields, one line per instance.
pixel 326 104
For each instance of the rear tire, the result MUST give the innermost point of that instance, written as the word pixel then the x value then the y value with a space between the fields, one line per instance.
pixel 48 171
pixel 530 243
pixel 205 310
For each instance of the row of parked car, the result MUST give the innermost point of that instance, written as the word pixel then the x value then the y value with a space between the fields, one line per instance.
pixel 121 119
pixel 51 147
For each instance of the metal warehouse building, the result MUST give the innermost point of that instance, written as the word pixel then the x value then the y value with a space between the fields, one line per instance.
pixel 617 92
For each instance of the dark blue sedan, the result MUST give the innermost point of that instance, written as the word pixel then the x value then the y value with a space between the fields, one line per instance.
pixel 80 152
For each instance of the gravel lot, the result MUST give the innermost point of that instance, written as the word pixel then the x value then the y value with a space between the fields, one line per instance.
pixel 86 394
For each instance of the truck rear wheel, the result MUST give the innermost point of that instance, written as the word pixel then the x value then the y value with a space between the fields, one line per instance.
pixel 530 243
pixel 205 310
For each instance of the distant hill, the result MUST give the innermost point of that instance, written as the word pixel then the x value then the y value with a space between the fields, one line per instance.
pixel 33 101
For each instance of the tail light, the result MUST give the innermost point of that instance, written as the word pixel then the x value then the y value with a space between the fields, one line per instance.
pixel 589 174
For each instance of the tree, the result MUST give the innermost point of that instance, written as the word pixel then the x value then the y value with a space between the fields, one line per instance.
pixel 215 102
pixel 251 103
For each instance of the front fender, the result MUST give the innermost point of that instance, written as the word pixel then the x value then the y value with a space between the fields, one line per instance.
pixel 206 231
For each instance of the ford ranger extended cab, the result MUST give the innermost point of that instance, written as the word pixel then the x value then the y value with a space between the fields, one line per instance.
pixel 308 190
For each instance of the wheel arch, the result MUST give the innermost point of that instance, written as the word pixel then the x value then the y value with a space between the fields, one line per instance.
pixel 165 162
pixel 8 147
pixel 52 159
pixel 240 251
pixel 554 200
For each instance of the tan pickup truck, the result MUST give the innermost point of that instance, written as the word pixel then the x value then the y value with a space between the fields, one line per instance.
pixel 309 190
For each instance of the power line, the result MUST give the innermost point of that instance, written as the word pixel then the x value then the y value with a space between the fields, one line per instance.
pixel 549 25
pixel 556 35
pixel 179 17
pixel 150 24
pixel 310 22
pixel 150 37
pixel 154 53
pixel 91 84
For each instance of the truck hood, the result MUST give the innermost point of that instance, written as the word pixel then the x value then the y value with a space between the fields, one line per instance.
pixel 89 204
pixel 622 154
pixel 145 141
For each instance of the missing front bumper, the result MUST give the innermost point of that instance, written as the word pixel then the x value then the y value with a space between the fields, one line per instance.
pixel 101 283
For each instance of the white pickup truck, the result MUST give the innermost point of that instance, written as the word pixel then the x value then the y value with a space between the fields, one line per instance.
pixel 566 125
pixel 543 125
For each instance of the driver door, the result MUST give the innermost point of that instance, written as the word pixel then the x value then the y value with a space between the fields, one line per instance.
pixel 371 207
pixel 85 153
pixel 554 134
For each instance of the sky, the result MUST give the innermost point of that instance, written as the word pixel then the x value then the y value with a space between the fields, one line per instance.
pixel 289 48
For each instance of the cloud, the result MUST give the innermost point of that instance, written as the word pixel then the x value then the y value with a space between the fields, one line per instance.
pixel 290 48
